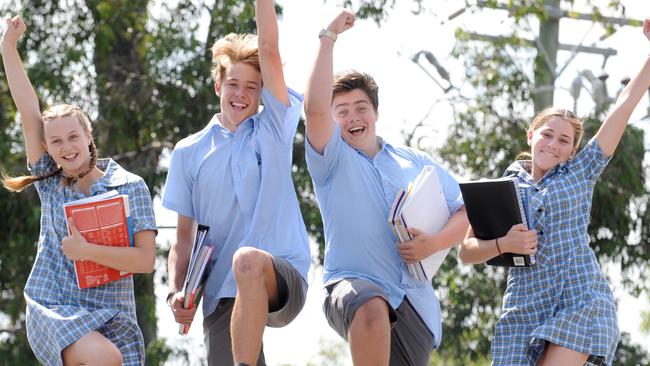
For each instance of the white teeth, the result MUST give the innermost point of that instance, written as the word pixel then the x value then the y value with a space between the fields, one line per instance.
pixel 240 105
pixel 355 129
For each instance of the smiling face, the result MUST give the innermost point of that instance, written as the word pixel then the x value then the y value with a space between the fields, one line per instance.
pixel 67 141
pixel 239 91
pixel 551 144
pixel 355 115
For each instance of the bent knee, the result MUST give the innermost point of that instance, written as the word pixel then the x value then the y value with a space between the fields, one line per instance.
pixel 249 261
pixel 372 314
pixel 92 349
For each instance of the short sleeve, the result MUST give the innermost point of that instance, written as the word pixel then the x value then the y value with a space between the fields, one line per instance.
pixel 44 166
pixel 451 190
pixel 590 161
pixel 281 120
pixel 177 194
pixel 321 167
pixel 141 207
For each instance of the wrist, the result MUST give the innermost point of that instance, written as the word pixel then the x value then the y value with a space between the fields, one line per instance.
pixel 326 33
pixel 170 294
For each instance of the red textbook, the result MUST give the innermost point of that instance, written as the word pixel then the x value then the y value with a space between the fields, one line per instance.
pixel 104 220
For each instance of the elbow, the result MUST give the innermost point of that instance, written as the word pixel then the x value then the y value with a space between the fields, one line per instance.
pixel 464 255
pixel 315 111
pixel 146 262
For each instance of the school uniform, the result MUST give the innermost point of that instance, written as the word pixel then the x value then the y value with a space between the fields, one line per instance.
pixel 355 193
pixel 564 298
pixel 239 184
pixel 58 312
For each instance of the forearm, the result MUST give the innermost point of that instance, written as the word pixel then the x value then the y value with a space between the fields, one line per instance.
pixel 475 250
pixel 177 263
pixel 612 129
pixel 318 97
pixel 267 26
pixel 128 259
pixel 20 87
pixel 454 231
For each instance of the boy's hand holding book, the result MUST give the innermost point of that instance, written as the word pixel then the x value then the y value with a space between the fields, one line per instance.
pixel 182 315
pixel 519 240
pixel 421 246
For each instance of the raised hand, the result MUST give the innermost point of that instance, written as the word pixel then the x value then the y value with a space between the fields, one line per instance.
pixel 342 22
pixel 14 28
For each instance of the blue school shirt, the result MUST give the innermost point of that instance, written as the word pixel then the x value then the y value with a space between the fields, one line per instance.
pixel 355 193
pixel 239 184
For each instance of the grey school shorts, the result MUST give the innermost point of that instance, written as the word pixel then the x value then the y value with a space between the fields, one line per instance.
pixel 292 291
pixel 411 342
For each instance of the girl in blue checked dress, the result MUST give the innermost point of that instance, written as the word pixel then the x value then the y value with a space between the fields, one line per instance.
pixel 560 311
pixel 67 325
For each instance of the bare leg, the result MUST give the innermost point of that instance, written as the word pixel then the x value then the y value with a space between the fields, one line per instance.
pixel 557 355
pixel 92 349
pixel 369 334
pixel 256 290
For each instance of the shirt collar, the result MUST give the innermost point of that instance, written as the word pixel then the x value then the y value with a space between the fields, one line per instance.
pixel 215 123
pixel 114 174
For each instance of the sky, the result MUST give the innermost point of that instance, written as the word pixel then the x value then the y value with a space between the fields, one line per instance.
pixel 409 95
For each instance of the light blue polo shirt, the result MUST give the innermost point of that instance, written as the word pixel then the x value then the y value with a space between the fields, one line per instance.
pixel 355 194
pixel 239 184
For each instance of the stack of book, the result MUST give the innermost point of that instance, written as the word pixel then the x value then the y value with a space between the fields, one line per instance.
pixel 422 206
pixel 103 219
pixel 493 207
pixel 197 271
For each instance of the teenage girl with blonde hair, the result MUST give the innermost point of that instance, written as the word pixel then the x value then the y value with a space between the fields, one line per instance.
pixel 67 325
pixel 561 311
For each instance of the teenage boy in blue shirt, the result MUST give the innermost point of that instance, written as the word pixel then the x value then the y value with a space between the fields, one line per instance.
pixel 235 177
pixel 386 314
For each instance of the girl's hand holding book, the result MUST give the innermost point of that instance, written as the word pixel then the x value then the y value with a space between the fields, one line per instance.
pixel 74 246
pixel 519 240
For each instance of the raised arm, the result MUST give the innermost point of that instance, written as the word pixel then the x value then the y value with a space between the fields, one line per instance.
pixel 318 97
pixel 21 89
pixel 270 60
pixel 611 131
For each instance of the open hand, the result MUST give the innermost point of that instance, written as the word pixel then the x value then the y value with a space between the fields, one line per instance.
pixel 342 22
pixel 14 28
pixel 74 246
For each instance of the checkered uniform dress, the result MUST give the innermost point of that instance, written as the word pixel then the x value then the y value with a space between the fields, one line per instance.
pixel 564 298
pixel 58 312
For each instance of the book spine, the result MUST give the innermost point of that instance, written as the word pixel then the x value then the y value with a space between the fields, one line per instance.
pixel 522 208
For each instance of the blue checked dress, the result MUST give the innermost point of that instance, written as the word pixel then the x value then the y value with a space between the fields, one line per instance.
pixel 564 298
pixel 58 312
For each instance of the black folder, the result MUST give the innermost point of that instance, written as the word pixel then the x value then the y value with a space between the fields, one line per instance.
pixel 493 206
